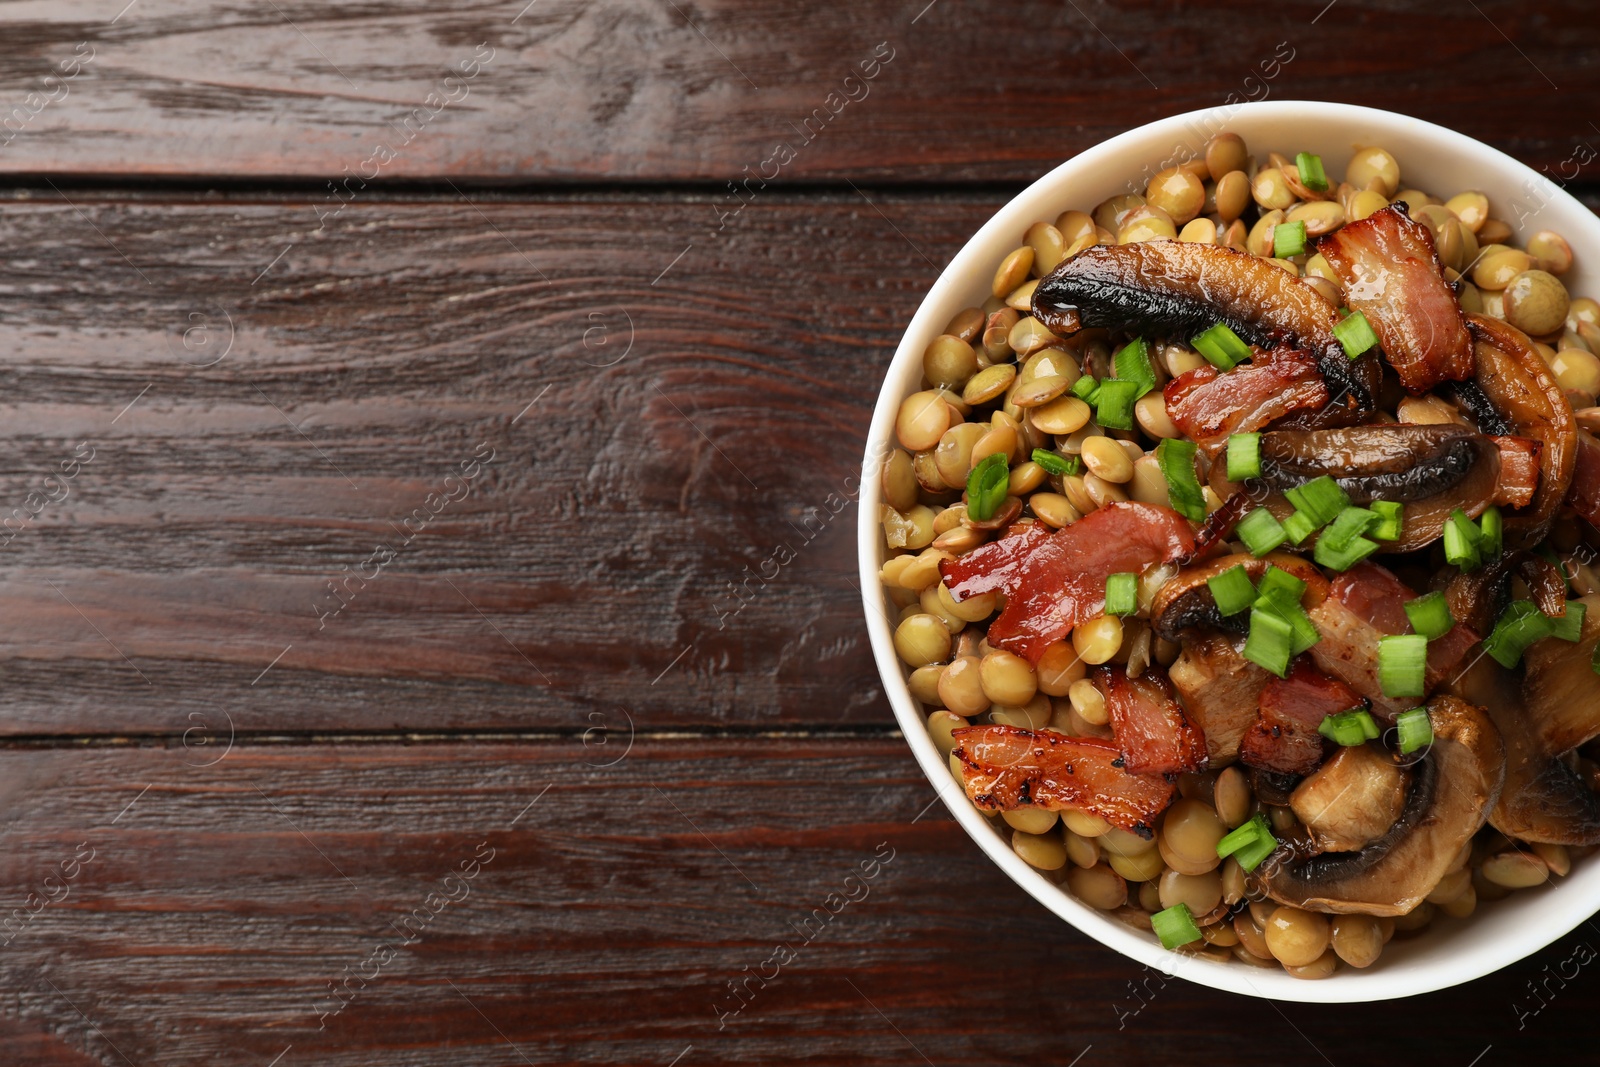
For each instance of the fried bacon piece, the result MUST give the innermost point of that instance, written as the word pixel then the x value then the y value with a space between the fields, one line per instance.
pixel 996 565
pixel 1391 273
pixel 1155 735
pixel 1208 405
pixel 1062 581
pixel 1285 738
pixel 1007 767
pixel 1519 471
pixel 1220 690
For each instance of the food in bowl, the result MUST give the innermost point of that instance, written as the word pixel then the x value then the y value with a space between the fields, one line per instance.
pixel 1242 543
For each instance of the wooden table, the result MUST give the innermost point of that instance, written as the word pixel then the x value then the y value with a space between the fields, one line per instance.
pixel 394 396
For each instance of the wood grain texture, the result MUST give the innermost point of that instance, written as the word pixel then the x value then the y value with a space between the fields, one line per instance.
pixel 581 91
pixel 684 422
pixel 602 924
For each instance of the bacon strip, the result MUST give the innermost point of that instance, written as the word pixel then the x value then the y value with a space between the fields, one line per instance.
pixel 1062 581
pixel 1285 738
pixel 1220 690
pixel 1392 275
pixel 1006 767
pixel 995 566
pixel 1155 735
pixel 1519 471
pixel 1208 405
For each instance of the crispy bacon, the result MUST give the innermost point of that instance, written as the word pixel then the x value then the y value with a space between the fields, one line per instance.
pixel 1155 735
pixel 1006 767
pixel 1519 471
pixel 1220 690
pixel 1285 738
pixel 995 565
pixel 1208 405
pixel 1062 581
pixel 1391 274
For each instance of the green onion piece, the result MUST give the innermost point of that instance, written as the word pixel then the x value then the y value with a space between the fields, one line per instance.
pixel 1430 615
pixel 1312 176
pixel 1520 625
pixel 1251 843
pixel 1355 334
pixel 1462 539
pixel 1053 463
pixel 1341 545
pixel 986 486
pixel 1321 499
pixel 1232 590
pixel 1222 347
pixel 1085 388
pixel 1492 533
pixel 1115 403
pixel 1176 457
pixel 1390 520
pixel 1244 456
pixel 1132 364
pixel 1289 239
pixel 1348 728
pixel 1342 559
pixel 1271 641
pixel 1122 593
pixel 1175 926
pixel 1569 627
pixel 1298 527
pixel 1281 587
pixel 1415 729
pixel 1260 532
pixel 1403 665
pixel 1302 631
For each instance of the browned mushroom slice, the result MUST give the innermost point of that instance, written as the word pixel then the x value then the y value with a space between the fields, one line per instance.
pixel 1392 275
pixel 1352 800
pixel 1179 289
pixel 1186 600
pixel 1519 388
pixel 1554 708
pixel 1430 470
pixel 1584 495
pixel 1451 792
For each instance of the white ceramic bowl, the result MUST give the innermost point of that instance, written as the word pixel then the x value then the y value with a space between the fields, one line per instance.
pixel 1431 158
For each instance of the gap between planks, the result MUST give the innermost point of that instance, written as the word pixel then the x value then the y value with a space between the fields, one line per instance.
pixel 829 732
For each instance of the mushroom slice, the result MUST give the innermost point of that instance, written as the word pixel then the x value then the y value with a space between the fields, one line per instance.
pixel 1220 690
pixel 1179 289
pixel 1353 799
pixel 1429 470
pixel 1584 495
pixel 1006 767
pixel 1390 272
pixel 1186 601
pixel 1509 371
pixel 1452 789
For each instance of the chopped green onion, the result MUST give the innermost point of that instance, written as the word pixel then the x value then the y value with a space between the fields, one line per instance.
pixel 1462 541
pixel 1312 176
pixel 1122 593
pixel 1403 665
pixel 1520 625
pixel 1302 631
pixel 1281 587
pixel 1289 239
pixel 1132 363
pixel 1271 641
pixel 1569 627
pixel 1341 545
pixel 1176 457
pixel 1232 590
pixel 1492 533
pixel 1244 456
pixel 1251 843
pixel 1348 728
pixel 1175 926
pixel 1053 463
pixel 1321 499
pixel 1114 402
pixel 1342 559
pixel 1415 729
pixel 1430 615
pixel 1390 520
pixel 1298 527
pixel 1355 334
pixel 1085 388
pixel 1222 347
pixel 1260 532
pixel 986 486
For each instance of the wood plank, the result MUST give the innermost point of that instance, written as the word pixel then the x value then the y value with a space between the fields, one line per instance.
pixel 576 91
pixel 602 923
pixel 684 423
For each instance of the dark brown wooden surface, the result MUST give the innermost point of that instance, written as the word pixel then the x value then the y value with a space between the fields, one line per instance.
pixel 273 365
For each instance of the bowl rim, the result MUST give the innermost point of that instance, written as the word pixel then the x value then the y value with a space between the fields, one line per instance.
pixel 1427 968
